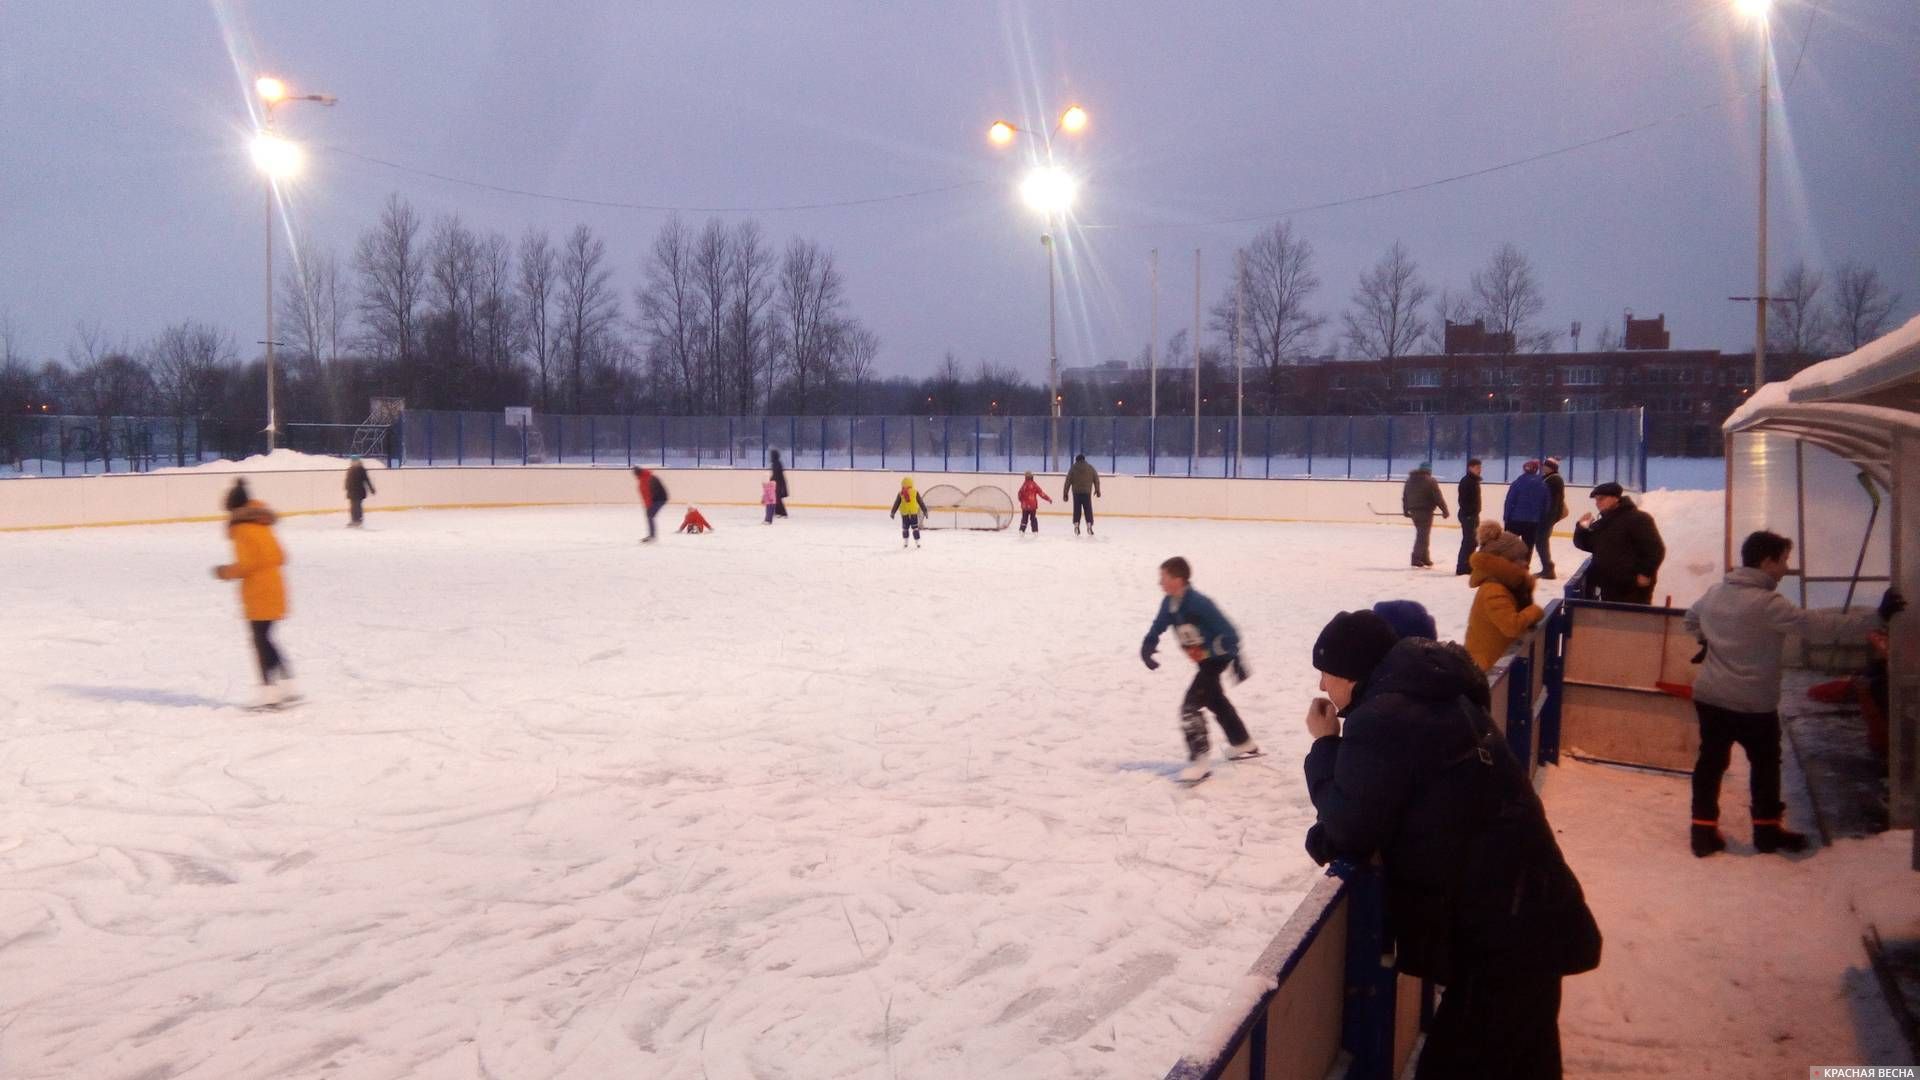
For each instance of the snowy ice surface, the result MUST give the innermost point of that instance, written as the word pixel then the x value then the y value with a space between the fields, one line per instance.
pixel 778 801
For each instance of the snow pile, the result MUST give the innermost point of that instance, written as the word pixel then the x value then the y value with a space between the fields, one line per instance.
pixel 777 801
pixel 1692 525
pixel 282 460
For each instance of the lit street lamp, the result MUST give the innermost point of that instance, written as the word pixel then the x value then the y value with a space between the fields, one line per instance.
pixel 277 159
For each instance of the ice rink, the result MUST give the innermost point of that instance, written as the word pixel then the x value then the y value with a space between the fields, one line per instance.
pixel 773 802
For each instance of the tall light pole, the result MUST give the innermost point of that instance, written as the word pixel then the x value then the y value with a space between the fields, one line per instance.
pixel 1048 189
pixel 278 159
pixel 1757 9
pixel 1153 364
pixel 1196 355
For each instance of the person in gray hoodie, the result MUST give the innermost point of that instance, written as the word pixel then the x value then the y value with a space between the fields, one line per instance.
pixel 1741 625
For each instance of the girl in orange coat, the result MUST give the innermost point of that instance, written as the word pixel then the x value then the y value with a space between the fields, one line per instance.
pixel 1503 606
pixel 257 559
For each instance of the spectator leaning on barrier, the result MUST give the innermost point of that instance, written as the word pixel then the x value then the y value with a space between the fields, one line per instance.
pixel 1503 606
pixel 1479 898
pixel 1419 498
pixel 1626 547
pixel 1469 514
pixel 1741 624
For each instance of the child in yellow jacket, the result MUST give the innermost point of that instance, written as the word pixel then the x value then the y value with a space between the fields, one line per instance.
pixel 257 559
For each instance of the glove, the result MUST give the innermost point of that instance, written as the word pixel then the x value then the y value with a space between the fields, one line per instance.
pixel 1146 657
pixel 1891 604
pixel 1239 670
pixel 1701 656
pixel 1445 515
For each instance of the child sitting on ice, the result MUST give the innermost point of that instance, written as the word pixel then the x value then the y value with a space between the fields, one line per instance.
pixel 770 498
pixel 694 522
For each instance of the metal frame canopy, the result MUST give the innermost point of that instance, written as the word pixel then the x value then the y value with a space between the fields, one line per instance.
pixel 1865 407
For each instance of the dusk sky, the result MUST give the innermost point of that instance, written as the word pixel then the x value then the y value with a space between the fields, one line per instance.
pixel 127 197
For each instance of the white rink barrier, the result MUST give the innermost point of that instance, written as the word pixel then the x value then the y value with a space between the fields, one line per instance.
pixel 156 498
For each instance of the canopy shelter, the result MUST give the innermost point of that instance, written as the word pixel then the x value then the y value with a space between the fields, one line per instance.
pixel 1859 412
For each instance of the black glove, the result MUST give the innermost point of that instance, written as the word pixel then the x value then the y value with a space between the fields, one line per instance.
pixel 1239 670
pixel 1146 656
pixel 1891 604
pixel 1701 656
pixel 1445 515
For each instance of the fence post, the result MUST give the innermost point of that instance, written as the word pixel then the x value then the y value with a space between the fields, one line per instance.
pixel 429 438
pixel 1594 423
pixel 1046 445
pixel 459 438
pixel 883 444
pixel 1153 445
pixel 976 444
pixel 1309 446
pixel 62 433
pixel 593 440
pixel 1010 445
pixel 1506 448
pixel 629 438
pixel 1269 448
pixel 696 443
pixel 663 442
pixel 1429 438
pixel 1366 1017
pixel 493 439
pixel 1389 447
pixel 1543 438
pixel 1349 447
pixel 1641 485
pixel 1230 461
pixel 792 450
pixel 913 444
pixel 1469 436
pixel 946 444
pixel 1113 442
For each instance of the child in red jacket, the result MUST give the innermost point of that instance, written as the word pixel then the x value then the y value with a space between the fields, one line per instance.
pixel 1030 496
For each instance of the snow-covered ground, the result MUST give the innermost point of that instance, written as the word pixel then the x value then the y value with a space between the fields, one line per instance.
pixel 776 802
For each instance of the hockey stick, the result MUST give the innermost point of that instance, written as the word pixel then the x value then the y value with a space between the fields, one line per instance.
pixel 1384 513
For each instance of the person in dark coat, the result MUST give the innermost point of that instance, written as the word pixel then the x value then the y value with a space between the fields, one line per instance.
pixel 779 479
pixel 1626 547
pixel 1478 895
pixel 1556 513
pixel 1082 485
pixel 1469 515
pixel 1528 501
pixel 359 486
pixel 1419 498
pixel 653 495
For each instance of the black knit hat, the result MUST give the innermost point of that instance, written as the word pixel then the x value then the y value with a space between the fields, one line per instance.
pixel 1353 644
pixel 237 496
pixel 1609 488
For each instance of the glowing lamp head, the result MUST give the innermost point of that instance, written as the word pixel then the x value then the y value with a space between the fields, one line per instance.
pixel 1074 120
pixel 1048 189
pixel 1001 133
pixel 270 89
pixel 275 156
pixel 1755 9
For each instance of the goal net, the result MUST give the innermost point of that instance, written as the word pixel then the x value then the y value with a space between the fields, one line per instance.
pixel 984 508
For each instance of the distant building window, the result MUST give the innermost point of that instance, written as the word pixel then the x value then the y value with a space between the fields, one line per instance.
pixel 1424 377
pixel 1583 376
pixel 1686 376
pixel 1339 382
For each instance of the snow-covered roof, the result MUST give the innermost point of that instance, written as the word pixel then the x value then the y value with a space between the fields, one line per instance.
pixel 1850 405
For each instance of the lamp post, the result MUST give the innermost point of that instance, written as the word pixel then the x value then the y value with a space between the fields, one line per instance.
pixel 278 159
pixel 1757 9
pixel 1050 190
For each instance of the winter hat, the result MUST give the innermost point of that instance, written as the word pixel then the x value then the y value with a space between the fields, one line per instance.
pixel 1425 466
pixel 906 481
pixel 1509 547
pixel 1487 533
pixel 1532 465
pixel 1553 463
pixel 237 496
pixel 1353 644
pixel 1409 618
pixel 1609 488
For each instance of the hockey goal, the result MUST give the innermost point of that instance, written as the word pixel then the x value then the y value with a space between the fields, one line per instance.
pixel 985 508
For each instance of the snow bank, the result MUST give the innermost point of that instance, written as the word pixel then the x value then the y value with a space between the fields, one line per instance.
pixel 281 460
pixel 1692 524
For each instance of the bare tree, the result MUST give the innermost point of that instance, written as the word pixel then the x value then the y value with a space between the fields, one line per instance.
pixel 1277 280
pixel 1508 298
pixel 496 307
pixel 588 308
pixel 1796 322
pixel 105 382
pixel 1386 321
pixel 808 298
pixel 538 269
pixel 752 274
pixel 1608 337
pixel 1448 307
pixel 670 313
pixel 1860 306
pixel 859 348
pixel 713 285
pixel 187 363
pixel 391 263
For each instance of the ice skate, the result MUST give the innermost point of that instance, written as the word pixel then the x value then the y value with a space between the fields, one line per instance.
pixel 265 698
pixel 1197 770
pixel 1242 751
pixel 1076 528
pixel 289 692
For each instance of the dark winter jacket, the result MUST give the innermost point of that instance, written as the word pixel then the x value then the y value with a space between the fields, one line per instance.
pixel 1421 494
pixel 779 477
pixel 1527 500
pixel 359 484
pixel 653 493
pixel 1556 498
pixel 1422 778
pixel 1469 496
pixel 1202 631
pixel 1082 479
pixel 1625 543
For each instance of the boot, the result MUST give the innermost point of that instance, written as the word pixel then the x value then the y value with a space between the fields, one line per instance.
pixel 1707 839
pixel 1771 836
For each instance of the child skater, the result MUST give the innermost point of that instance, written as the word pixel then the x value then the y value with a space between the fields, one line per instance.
pixel 1211 641
pixel 1030 496
pixel 257 559
pixel 770 498
pixel 907 505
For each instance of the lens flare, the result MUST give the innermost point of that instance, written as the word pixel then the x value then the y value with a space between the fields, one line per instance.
pixel 1048 189
pixel 277 157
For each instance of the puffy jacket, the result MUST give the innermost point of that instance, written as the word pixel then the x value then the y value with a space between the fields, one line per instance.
pixel 769 493
pixel 1421 494
pixel 1198 626
pixel 1625 544
pixel 256 564
pixel 1527 499
pixel 1744 622
pixel 1556 497
pixel 779 477
pixel 1503 607
pixel 653 491
pixel 1469 496
pixel 1421 777
pixel 907 502
pixel 1030 495
pixel 1082 478
pixel 359 484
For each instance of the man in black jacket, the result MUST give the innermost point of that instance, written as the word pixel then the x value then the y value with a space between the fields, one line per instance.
pixel 359 486
pixel 1626 547
pixel 779 479
pixel 1469 515
pixel 1479 897
pixel 1556 511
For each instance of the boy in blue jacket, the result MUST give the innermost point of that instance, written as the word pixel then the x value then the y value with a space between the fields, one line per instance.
pixel 1210 640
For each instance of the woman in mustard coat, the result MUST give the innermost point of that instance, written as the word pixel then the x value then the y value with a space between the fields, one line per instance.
pixel 1503 606
pixel 257 559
